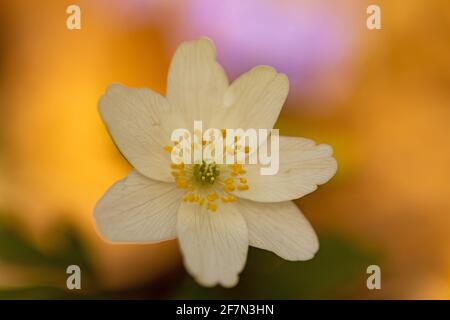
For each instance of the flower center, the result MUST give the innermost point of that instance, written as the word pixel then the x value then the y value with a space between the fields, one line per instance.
pixel 209 184
pixel 205 173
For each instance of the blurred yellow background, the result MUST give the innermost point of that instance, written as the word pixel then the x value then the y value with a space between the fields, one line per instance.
pixel 381 98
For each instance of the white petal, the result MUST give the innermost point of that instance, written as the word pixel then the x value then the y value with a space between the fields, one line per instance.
pixel 138 209
pixel 196 83
pixel 255 99
pixel 303 166
pixel 280 228
pixel 214 244
pixel 133 118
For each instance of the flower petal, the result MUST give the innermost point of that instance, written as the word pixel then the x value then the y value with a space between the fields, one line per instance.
pixel 280 228
pixel 138 209
pixel 255 99
pixel 303 166
pixel 196 83
pixel 214 244
pixel 132 117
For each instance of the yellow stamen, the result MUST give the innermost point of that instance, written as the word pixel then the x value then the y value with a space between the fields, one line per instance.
pixel 211 206
pixel 236 167
pixel 177 173
pixel 229 188
pixel 181 183
pixel 177 166
pixel 212 196
pixel 243 187
pixel 168 148
pixel 189 197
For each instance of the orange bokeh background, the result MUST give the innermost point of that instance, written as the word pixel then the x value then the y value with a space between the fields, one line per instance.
pixel 384 107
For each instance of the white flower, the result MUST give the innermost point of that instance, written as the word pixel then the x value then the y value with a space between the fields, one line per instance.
pixel 217 221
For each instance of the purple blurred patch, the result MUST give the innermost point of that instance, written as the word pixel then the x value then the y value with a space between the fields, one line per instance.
pixel 307 40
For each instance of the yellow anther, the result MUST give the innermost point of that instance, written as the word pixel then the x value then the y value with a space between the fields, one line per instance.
pixel 177 173
pixel 191 197
pixel 243 180
pixel 224 132
pixel 242 171
pixel 224 199
pixel 234 174
pixel 229 188
pixel 212 196
pixel 229 180
pixel 181 183
pixel 168 148
pixel 201 201
pixel 243 187
pixel 231 198
pixel 247 149
pixel 177 166
pixel 211 206
pixel 236 166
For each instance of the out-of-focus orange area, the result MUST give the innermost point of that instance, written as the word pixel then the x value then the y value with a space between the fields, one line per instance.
pixel 381 98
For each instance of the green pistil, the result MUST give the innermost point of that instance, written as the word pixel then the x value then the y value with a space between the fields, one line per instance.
pixel 206 173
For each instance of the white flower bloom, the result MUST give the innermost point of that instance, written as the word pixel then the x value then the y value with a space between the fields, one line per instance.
pixel 214 220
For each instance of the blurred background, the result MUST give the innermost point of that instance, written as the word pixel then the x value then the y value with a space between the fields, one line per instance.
pixel 381 98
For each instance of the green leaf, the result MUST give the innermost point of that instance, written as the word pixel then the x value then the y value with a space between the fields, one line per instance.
pixel 69 248
pixel 15 248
